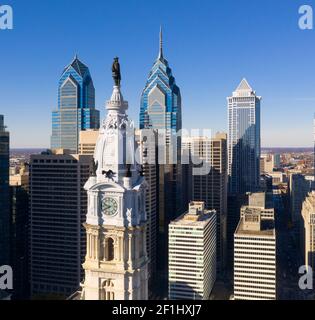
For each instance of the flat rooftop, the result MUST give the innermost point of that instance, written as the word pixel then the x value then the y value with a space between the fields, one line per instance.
pixel 267 228
pixel 197 220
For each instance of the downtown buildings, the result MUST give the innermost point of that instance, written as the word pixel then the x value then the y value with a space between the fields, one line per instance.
pixel 160 109
pixel 76 107
pixel 192 254
pixel 4 192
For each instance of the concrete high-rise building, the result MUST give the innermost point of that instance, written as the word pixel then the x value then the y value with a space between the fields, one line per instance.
pixel 76 107
pixel 116 262
pixel 4 194
pixel 255 252
pixel 243 139
pixel 210 186
pixel 160 109
pixel 58 205
pixel 87 141
pixel 269 162
pixel 308 214
pixel 192 254
pixel 148 152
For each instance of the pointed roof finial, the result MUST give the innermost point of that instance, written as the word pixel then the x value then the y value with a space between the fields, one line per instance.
pixel 76 56
pixel 161 44
pixel 244 86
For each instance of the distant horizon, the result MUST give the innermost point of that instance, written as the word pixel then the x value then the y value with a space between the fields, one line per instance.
pixel 48 148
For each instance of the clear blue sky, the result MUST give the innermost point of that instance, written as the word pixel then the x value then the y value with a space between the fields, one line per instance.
pixel 210 46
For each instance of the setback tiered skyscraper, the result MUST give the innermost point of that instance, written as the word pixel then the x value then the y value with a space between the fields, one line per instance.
pixel 4 194
pixel 76 107
pixel 243 140
pixel 161 109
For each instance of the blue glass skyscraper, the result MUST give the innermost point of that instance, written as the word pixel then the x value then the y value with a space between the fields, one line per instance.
pixel 160 109
pixel 161 100
pixel 4 194
pixel 76 107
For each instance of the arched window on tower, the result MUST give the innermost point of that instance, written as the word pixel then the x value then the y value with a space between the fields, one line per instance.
pixel 107 291
pixel 110 249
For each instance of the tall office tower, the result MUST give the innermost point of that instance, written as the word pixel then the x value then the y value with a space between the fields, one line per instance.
pixel 76 107
pixel 255 253
pixel 308 213
pixel 210 186
pixel 87 141
pixel 148 152
pixel 276 160
pixel 192 254
pixel 19 233
pixel 4 192
pixel 161 109
pixel 116 263
pixel 299 188
pixel 243 153
pixel 58 205
pixel 243 140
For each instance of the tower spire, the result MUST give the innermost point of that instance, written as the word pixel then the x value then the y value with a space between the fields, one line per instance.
pixel 161 44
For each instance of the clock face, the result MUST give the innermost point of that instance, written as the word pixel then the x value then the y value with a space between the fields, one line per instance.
pixel 109 206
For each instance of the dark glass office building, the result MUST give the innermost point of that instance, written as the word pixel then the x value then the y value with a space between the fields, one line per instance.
pixel 4 194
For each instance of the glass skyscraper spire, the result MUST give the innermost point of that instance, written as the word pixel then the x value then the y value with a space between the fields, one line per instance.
pixel 161 100
pixel 160 110
pixel 76 107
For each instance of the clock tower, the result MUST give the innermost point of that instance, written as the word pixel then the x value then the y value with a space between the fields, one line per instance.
pixel 116 263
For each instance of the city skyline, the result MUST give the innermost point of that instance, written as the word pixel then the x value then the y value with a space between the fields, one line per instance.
pixel 175 159
pixel 205 67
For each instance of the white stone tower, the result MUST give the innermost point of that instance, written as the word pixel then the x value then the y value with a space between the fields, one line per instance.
pixel 116 259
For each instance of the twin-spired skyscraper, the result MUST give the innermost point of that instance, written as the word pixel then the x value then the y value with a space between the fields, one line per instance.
pixel 76 107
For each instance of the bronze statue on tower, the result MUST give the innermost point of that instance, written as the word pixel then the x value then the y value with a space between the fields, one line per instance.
pixel 116 72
